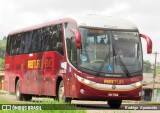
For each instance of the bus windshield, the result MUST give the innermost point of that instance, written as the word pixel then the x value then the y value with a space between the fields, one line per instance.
pixel 110 53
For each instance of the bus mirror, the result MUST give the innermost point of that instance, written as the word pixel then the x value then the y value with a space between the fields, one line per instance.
pixel 77 38
pixel 149 43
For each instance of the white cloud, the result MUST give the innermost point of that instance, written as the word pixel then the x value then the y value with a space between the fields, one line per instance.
pixel 116 9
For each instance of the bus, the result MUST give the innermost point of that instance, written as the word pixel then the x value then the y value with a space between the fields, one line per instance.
pixel 87 57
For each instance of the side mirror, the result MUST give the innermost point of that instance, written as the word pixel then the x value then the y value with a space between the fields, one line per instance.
pixel 77 38
pixel 149 43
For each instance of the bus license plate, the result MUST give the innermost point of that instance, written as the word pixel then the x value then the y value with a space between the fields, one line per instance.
pixel 113 94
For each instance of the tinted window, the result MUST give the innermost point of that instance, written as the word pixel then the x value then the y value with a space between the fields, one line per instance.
pixel 22 45
pixel 70 39
pixel 27 41
pixel 44 39
pixel 52 39
pixel 15 43
pixel 56 39
pixel 34 42
pixel 8 46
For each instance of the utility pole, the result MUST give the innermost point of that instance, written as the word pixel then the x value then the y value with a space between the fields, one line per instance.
pixel 154 72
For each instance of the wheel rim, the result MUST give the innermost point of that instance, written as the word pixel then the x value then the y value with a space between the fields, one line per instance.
pixel 61 92
pixel 17 91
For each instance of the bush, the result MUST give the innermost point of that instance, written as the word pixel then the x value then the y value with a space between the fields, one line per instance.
pixel 1 63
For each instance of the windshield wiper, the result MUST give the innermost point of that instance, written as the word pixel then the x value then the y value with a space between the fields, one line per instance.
pixel 104 61
pixel 121 63
pixel 123 66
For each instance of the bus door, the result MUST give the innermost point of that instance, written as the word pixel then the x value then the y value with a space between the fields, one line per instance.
pixel 71 81
pixel 71 69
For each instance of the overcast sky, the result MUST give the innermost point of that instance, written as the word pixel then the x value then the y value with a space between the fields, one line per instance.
pixel 15 14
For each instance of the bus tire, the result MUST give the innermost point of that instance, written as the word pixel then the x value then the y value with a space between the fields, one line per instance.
pixel 114 103
pixel 60 95
pixel 19 95
pixel 27 97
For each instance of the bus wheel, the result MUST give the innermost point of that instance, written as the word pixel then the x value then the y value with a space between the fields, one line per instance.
pixel 114 103
pixel 61 96
pixel 27 97
pixel 19 95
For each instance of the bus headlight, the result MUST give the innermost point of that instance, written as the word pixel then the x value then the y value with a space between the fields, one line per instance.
pixel 85 81
pixel 137 84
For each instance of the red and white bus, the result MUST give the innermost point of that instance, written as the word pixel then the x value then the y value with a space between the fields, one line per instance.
pixel 86 58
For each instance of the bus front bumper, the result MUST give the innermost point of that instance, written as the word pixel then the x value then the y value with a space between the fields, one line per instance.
pixel 104 91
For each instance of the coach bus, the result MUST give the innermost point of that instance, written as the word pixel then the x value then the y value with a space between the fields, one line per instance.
pixel 87 57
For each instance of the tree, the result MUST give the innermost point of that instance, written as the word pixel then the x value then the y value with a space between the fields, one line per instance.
pixel 147 67
pixel 4 38
pixel 1 63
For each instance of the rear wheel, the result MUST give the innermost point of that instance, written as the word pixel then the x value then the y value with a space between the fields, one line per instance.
pixel 27 97
pixel 114 103
pixel 21 96
pixel 60 94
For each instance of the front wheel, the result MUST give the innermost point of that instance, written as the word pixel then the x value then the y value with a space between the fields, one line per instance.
pixel 115 103
pixel 61 96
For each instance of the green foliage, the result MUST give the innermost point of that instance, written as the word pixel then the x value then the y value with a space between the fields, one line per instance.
pixel 2 52
pixel 1 63
pixel 3 44
pixel 4 38
pixel 147 67
pixel 158 70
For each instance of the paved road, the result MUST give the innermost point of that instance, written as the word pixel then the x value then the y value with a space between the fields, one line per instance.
pixel 94 106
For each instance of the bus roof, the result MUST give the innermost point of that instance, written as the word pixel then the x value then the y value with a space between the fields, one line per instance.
pixel 96 21
pixel 42 25
pixel 101 21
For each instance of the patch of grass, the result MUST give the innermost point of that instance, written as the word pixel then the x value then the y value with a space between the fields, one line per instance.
pixel 3 93
pixel 158 71
pixel 57 107
pixel 43 111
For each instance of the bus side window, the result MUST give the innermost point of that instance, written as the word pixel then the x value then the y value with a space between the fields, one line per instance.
pixel 68 41
pixel 53 44
pixel 46 36
pixel 28 39
pixel 8 49
pixel 42 39
pixel 56 39
pixel 34 43
pixel 59 35
pixel 39 41
pixel 18 43
pixel 22 44
pixel 12 45
pixel 50 39
pixel 73 52
pixel 60 47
